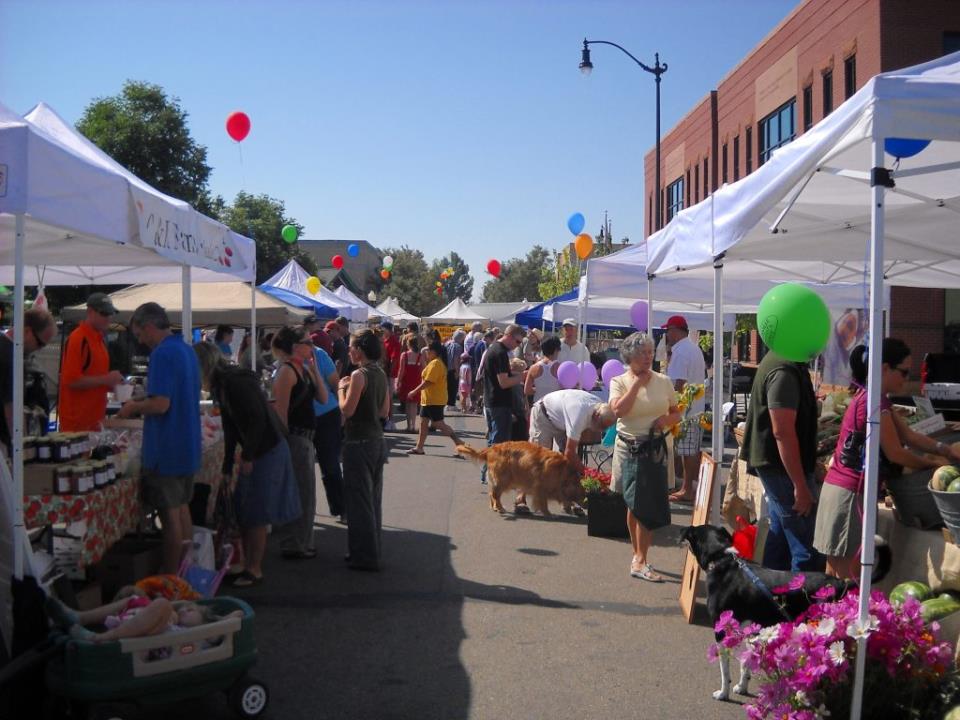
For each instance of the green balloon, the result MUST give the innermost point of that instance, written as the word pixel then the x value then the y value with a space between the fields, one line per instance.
pixel 794 322
pixel 289 234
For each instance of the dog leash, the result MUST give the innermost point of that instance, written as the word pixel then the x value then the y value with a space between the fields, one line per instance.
pixel 761 586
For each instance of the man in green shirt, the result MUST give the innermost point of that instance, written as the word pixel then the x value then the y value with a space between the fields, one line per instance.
pixel 781 447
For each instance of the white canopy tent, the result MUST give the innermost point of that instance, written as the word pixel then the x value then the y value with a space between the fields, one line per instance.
pixel 212 304
pixel 348 297
pixel 500 313
pixel 391 308
pixel 293 278
pixel 834 194
pixel 65 211
pixel 456 311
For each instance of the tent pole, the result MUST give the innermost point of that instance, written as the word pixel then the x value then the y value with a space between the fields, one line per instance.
pixel 650 305
pixel 873 419
pixel 186 315
pixel 254 344
pixel 16 437
pixel 717 401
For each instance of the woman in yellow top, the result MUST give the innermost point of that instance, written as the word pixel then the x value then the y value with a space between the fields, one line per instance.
pixel 643 400
pixel 433 398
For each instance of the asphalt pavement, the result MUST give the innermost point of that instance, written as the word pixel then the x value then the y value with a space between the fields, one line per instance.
pixel 474 615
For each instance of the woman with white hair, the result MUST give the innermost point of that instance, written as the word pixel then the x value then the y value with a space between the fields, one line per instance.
pixel 646 406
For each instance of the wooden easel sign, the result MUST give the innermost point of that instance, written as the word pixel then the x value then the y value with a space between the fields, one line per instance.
pixel 701 513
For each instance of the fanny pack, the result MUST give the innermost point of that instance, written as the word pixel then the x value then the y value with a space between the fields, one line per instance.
pixel 653 447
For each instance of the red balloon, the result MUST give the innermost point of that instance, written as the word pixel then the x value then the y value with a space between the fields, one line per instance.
pixel 238 125
pixel 493 267
pixel 337 261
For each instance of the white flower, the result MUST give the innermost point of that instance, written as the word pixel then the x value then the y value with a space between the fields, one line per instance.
pixel 822 711
pixel 802 699
pixel 827 626
pixel 858 631
pixel 769 633
pixel 837 652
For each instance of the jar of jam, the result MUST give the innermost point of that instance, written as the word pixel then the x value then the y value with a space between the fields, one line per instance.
pixel 63 480
pixel 44 449
pixel 83 445
pixel 60 449
pixel 29 450
pixel 82 479
pixel 100 477
pixel 111 471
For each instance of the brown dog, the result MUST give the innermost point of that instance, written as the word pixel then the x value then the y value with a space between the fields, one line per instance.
pixel 543 474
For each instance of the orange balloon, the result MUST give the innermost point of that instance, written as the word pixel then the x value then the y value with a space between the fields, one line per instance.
pixel 385 274
pixel 583 245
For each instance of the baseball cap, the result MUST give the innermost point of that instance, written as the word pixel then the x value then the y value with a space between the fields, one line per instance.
pixel 386 324
pixel 675 321
pixel 569 321
pixel 101 303
pixel 331 325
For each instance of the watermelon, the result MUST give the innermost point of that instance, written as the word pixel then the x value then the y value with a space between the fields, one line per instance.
pixel 943 476
pixel 912 588
pixel 954 486
pixel 938 608
pixel 953 714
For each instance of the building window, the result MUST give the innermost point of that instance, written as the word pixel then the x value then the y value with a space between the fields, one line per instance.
pixel 749 143
pixel 706 177
pixel 688 187
pixel 696 182
pixel 951 42
pixel 807 107
pixel 777 129
pixel 827 92
pixel 723 165
pixel 736 158
pixel 849 76
pixel 674 198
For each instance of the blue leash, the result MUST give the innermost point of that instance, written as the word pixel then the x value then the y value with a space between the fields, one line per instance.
pixel 759 584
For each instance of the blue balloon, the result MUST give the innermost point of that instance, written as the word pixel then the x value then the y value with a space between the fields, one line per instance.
pixel 904 147
pixel 575 223
pixel 353 249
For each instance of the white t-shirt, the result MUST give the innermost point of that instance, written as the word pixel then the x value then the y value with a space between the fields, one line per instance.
pixel 570 410
pixel 686 363
pixel 577 352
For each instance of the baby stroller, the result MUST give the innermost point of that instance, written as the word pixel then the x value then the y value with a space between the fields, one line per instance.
pixel 107 681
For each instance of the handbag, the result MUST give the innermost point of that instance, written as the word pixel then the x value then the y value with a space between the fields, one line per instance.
pixel 648 495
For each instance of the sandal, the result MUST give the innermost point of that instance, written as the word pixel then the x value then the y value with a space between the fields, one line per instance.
pixel 681 498
pixel 644 572
pixel 246 579
pixel 297 555
pixel 415 451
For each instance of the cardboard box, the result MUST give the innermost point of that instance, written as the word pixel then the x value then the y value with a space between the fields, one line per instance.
pixel 38 478
pixel 129 560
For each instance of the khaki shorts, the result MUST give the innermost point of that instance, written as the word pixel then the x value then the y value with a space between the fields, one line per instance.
pixel 166 491
pixel 543 432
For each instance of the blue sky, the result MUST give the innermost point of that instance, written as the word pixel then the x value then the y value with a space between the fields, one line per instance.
pixel 441 125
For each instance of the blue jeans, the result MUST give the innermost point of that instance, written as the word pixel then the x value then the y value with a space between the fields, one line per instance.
pixel 789 543
pixel 499 427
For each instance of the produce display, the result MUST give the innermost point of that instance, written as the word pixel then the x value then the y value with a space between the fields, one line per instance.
pixel 944 478
pixel 912 588
pixel 932 608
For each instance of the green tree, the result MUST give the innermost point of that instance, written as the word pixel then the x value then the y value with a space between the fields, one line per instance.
pixel 518 279
pixel 460 285
pixel 146 131
pixel 261 218
pixel 561 274
pixel 411 282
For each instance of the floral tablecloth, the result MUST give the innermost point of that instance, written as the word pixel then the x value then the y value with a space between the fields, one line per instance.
pixel 109 514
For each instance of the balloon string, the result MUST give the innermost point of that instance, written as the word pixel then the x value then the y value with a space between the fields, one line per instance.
pixel 243 172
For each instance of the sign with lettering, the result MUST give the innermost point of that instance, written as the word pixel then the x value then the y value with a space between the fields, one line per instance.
pixel 183 235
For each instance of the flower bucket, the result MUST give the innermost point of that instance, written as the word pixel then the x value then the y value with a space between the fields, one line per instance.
pixel 606 515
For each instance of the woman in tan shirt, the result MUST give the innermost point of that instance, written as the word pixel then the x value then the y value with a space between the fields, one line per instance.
pixel 642 400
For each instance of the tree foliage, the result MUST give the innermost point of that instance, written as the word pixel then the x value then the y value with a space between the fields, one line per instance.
pixel 261 218
pixel 458 286
pixel 519 278
pixel 411 282
pixel 560 275
pixel 146 131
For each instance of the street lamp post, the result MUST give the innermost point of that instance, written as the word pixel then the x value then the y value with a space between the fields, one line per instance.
pixel 657 70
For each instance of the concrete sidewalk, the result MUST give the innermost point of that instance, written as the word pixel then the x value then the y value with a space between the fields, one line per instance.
pixel 476 615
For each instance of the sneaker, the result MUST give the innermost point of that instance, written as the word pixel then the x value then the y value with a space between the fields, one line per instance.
pixel 391 426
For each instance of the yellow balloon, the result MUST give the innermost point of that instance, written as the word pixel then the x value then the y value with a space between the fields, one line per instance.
pixel 583 245
pixel 313 285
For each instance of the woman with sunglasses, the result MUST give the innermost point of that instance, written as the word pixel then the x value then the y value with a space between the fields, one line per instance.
pixel 295 386
pixel 839 516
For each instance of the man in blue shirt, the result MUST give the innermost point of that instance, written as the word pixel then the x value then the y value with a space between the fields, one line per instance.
pixel 328 434
pixel 171 427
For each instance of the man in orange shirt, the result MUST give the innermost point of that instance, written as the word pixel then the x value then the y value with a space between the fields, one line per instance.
pixel 85 375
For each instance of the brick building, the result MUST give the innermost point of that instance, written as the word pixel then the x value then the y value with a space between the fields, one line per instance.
pixel 821 54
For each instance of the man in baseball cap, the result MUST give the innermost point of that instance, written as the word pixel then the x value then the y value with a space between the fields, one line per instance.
pixel 686 366
pixel 572 349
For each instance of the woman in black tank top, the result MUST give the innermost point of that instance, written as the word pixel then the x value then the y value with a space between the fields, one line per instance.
pixel 296 385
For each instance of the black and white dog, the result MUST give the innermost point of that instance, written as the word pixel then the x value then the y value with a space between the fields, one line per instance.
pixel 744 587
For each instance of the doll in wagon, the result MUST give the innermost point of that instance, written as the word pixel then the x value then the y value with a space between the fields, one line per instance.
pixel 132 617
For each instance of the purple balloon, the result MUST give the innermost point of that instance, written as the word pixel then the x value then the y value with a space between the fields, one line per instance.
pixel 588 375
pixel 611 369
pixel 568 374
pixel 638 315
